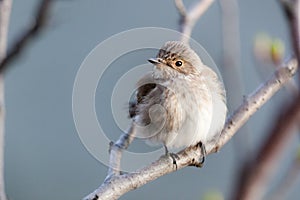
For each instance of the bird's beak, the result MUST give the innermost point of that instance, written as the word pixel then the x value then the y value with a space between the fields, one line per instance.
pixel 154 61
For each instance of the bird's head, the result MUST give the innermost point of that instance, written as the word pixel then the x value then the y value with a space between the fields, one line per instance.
pixel 176 59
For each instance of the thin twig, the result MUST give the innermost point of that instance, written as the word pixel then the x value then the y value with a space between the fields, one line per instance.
pixel 33 31
pixel 116 186
pixel 189 18
pixel 116 150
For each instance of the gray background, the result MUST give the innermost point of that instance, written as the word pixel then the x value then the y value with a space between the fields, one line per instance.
pixel 44 158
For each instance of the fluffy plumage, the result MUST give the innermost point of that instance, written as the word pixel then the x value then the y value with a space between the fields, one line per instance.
pixel 181 103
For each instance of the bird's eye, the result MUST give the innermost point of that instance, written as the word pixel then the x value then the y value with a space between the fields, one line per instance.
pixel 178 63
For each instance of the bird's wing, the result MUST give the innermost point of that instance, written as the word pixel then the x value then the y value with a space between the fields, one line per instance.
pixel 145 86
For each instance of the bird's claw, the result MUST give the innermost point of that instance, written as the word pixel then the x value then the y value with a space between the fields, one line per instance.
pixel 174 156
pixel 203 153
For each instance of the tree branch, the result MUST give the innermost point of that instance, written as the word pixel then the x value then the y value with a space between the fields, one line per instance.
pixel 117 185
pixel 116 150
pixel 188 19
pixel 33 31
pixel 257 173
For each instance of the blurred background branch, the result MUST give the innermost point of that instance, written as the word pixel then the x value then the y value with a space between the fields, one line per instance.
pixel 232 71
pixel 256 173
pixel 34 30
pixel 289 179
pixel 188 18
pixel 5 9
pixel 7 57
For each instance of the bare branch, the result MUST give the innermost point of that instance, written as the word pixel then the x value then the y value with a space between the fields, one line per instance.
pixel 115 151
pixel 257 173
pixel 190 17
pixel 116 186
pixel 33 31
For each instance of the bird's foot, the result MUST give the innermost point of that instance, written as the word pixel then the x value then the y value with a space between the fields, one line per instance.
pixel 173 156
pixel 203 153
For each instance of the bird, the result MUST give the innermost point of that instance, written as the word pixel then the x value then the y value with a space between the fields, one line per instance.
pixel 180 103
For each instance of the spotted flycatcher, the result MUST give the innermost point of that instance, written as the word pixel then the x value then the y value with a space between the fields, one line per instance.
pixel 180 103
